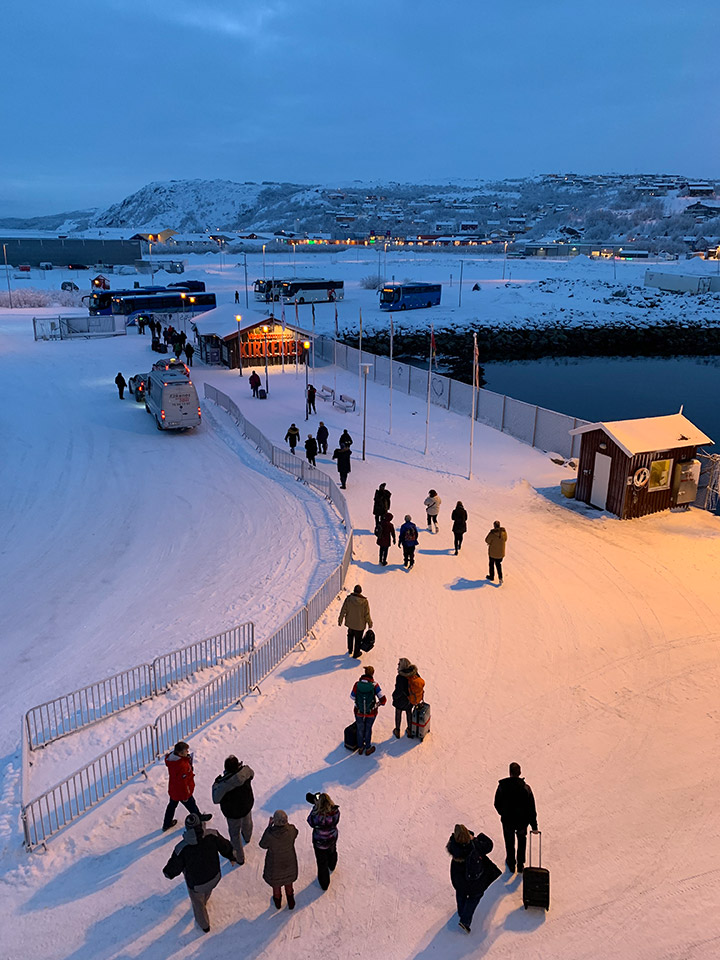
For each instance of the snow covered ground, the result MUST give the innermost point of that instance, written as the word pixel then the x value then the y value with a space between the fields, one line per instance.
pixel 595 666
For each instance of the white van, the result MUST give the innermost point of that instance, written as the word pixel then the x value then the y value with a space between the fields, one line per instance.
pixel 171 397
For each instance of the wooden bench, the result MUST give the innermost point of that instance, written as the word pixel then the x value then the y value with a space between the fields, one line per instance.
pixel 344 402
pixel 326 393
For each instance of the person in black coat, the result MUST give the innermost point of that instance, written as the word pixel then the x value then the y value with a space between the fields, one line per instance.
pixel 197 858
pixel 345 438
pixel 322 437
pixel 342 455
pixel 311 399
pixel 459 519
pixel 233 791
pixel 515 803
pixel 189 351
pixel 311 449
pixel 381 503
pixel 471 870
pixel 120 383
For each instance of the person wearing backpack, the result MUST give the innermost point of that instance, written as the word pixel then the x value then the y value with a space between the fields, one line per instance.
pixel 459 519
pixel 408 540
pixel 386 534
pixel 355 611
pixel 367 695
pixel 323 818
pixel 471 870
pixel 233 791
pixel 408 692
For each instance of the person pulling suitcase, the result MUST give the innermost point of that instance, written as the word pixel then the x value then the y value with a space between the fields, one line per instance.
pixel 515 803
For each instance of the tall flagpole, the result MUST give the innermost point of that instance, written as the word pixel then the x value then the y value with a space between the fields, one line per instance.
pixel 335 352
pixel 360 364
pixel 313 339
pixel 297 343
pixel 474 401
pixel 391 363
pixel 427 416
pixel 282 345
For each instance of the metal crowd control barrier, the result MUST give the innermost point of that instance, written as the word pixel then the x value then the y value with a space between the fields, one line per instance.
pixel 45 815
pixel 72 711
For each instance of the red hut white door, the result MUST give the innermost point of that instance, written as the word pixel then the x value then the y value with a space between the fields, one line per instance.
pixel 601 480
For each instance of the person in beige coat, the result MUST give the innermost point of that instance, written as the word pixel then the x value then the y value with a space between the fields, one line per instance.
pixel 355 611
pixel 496 540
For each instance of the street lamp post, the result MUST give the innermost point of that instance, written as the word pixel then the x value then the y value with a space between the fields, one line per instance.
pixel 306 346
pixel 7 276
pixel 239 319
pixel 263 261
pixel 182 297
pixel 152 267
pixel 366 371
pixel 267 386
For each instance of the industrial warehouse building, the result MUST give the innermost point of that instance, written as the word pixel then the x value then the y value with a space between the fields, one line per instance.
pixel 66 252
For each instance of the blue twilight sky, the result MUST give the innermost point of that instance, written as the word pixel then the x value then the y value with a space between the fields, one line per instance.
pixel 102 96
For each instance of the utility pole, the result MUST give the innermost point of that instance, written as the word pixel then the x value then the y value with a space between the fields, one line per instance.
pixel 7 275
pixel 247 304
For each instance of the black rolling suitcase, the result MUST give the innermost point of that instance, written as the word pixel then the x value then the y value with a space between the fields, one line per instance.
pixel 350 736
pixel 262 393
pixel 368 641
pixel 536 880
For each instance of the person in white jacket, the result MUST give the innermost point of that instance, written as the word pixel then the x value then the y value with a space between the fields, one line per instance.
pixel 432 509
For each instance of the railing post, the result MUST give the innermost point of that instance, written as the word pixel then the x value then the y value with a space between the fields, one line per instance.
pixel 502 416
pixel 534 425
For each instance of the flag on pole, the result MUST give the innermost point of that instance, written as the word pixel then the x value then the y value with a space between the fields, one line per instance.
pixel 282 345
pixel 432 343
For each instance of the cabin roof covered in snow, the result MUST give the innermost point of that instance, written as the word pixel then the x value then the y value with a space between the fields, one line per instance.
pixel 222 321
pixel 649 433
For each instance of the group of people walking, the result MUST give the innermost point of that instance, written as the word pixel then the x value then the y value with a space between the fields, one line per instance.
pixel 197 856
pixel 318 444
pixel 408 534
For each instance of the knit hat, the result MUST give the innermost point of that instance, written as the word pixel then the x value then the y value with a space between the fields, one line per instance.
pixel 280 818
pixel 192 820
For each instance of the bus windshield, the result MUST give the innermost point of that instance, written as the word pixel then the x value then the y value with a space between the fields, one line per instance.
pixel 389 295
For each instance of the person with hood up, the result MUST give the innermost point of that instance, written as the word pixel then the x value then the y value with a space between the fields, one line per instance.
pixel 367 696
pixel 310 399
pixel 459 519
pixel 408 540
pixel 408 692
pixel 381 503
pixel 515 803
pixel 254 382
pixel 197 858
pixel 120 383
pixel 181 784
pixel 345 438
pixel 311 449
pixel 496 540
pixel 355 611
pixel 432 508
pixel 386 535
pixel 292 437
pixel 233 791
pixel 323 818
pixel 322 437
pixel 281 866
pixel 342 456
pixel 471 870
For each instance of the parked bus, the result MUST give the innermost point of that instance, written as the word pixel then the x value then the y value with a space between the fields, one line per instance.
pixel 163 302
pixel 409 296
pixel 267 290
pixel 311 291
pixel 100 301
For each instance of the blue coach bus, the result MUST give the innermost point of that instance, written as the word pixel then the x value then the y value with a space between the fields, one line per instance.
pixel 166 301
pixel 409 296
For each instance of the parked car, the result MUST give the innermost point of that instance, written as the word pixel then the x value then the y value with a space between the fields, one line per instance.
pixel 69 285
pixel 136 386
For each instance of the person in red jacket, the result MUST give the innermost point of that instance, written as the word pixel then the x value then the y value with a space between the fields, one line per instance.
pixel 181 784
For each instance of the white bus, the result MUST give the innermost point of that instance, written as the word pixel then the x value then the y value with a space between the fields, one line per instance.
pixel 267 290
pixel 310 290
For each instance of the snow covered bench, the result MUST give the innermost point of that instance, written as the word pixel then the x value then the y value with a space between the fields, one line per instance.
pixel 326 393
pixel 345 402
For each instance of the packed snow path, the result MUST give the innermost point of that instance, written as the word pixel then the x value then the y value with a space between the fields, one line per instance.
pixel 595 666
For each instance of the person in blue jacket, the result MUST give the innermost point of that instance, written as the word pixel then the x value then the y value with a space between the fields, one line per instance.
pixel 408 540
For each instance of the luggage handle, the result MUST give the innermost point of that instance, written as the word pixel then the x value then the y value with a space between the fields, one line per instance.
pixel 539 836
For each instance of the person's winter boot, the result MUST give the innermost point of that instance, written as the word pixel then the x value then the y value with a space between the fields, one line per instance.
pixel 278 902
pixel 169 826
pixel 369 751
pixel 291 901
pixel 205 817
pixel 396 732
pixel 464 927
pixel 361 751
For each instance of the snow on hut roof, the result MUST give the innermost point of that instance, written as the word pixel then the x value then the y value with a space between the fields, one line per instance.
pixel 649 433
pixel 222 321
